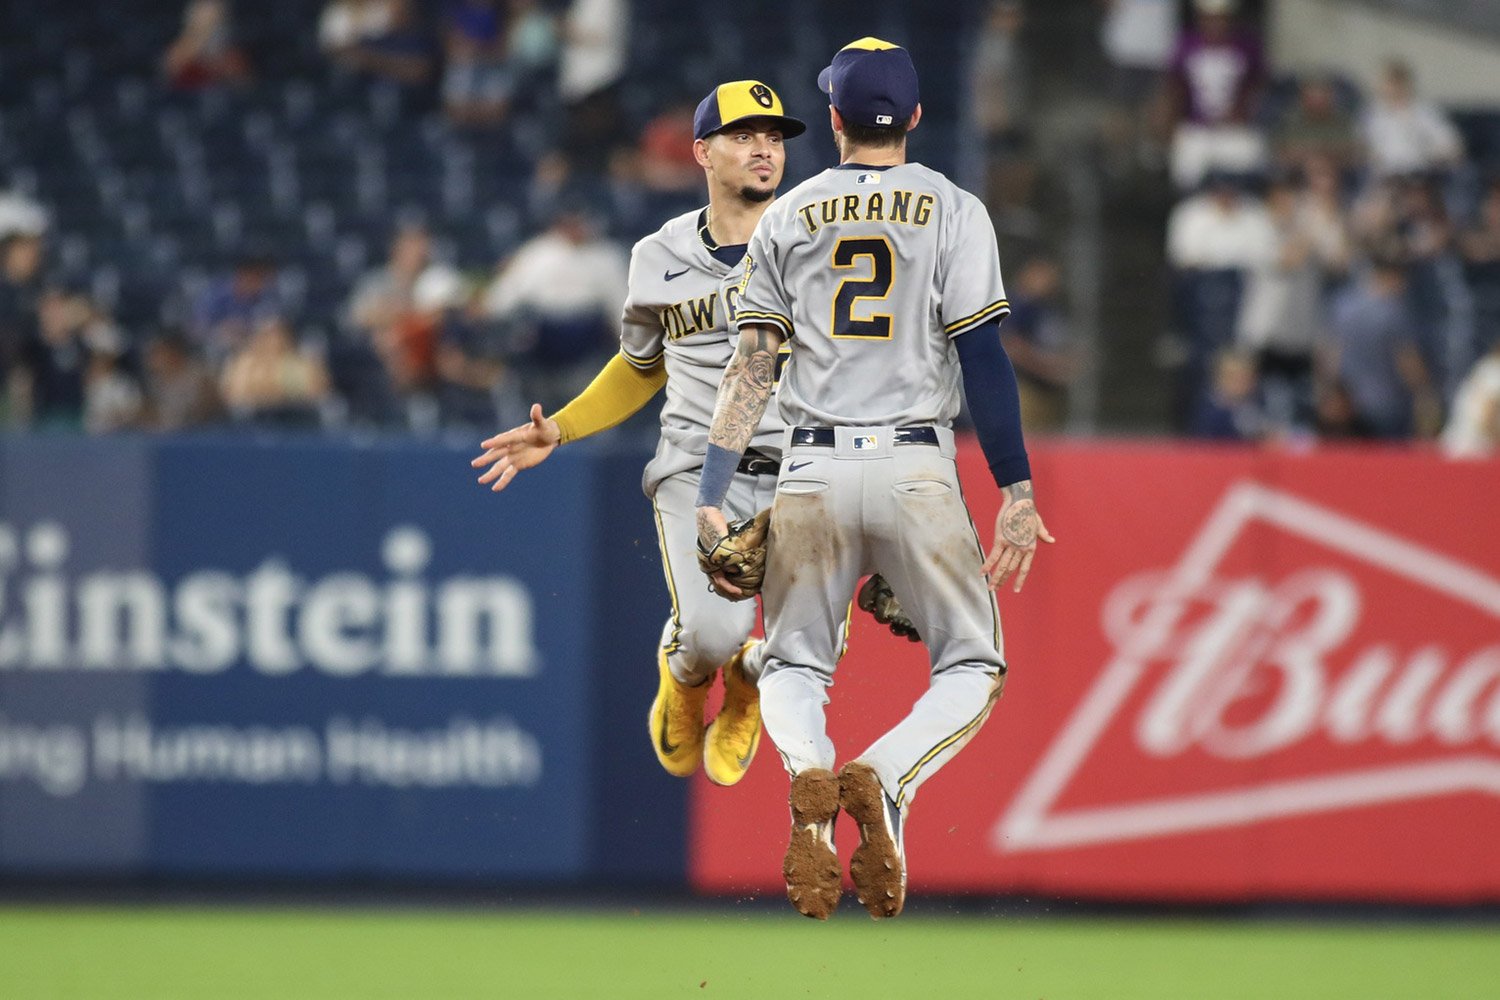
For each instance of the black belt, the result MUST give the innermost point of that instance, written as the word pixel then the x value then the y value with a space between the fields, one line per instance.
pixel 823 437
pixel 759 465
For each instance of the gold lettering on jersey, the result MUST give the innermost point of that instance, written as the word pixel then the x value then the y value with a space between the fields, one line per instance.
pixel 901 207
pixel 923 213
pixel 690 316
pixel 904 207
pixel 806 211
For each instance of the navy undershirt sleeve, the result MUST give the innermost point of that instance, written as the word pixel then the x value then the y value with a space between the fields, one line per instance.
pixel 994 402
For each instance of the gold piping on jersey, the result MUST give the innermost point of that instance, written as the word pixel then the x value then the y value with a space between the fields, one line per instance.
pixel 640 362
pixel 900 206
pixel 750 317
pixel 994 309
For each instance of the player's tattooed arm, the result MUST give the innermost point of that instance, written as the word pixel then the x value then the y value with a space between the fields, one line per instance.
pixel 1017 530
pixel 1018 526
pixel 746 388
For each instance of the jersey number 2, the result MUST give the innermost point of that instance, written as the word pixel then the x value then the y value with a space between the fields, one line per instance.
pixel 851 252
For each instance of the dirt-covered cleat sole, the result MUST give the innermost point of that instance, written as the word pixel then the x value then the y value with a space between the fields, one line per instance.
pixel 811 867
pixel 878 867
pixel 733 737
pixel 676 722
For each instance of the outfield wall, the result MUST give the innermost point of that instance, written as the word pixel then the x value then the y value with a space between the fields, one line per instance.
pixel 1238 675
pixel 238 659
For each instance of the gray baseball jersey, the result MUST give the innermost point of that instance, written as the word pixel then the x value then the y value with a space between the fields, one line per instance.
pixel 678 305
pixel 872 272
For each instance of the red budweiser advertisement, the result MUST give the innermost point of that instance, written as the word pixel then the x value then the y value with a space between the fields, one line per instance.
pixel 1237 675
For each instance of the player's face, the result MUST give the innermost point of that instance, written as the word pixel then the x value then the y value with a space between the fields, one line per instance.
pixel 749 159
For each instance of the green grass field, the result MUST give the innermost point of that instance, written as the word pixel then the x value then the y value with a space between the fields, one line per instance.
pixel 233 953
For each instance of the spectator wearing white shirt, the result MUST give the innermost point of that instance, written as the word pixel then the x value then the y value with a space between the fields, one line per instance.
pixel 1473 429
pixel 595 44
pixel 1405 135
pixel 1217 228
pixel 562 294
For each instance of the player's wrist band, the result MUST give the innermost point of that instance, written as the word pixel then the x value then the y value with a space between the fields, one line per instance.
pixel 719 466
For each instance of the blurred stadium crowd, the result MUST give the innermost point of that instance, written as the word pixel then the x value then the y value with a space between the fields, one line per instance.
pixel 414 216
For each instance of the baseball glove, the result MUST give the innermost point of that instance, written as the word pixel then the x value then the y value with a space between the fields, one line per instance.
pixel 877 597
pixel 740 556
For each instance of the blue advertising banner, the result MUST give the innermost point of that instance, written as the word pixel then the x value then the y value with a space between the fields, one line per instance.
pixel 233 658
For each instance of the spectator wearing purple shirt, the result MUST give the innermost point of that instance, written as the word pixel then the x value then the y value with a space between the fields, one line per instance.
pixel 1216 79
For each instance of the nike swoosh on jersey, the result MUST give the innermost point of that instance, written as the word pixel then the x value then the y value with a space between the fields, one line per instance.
pixel 676 274
pixel 798 465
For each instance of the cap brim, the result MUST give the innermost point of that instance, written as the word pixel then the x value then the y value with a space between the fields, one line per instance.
pixel 825 81
pixel 790 127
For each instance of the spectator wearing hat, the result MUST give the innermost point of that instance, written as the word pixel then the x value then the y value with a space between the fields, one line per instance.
pixel 232 305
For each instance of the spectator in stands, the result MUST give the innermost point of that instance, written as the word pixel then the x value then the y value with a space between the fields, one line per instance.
pixel 376 40
pixel 1316 126
pixel 595 43
pixel 531 40
pixel 1230 410
pixel 1216 228
pixel 562 293
pixel 20 216
pixel 52 364
pixel 1217 77
pixel 181 392
pixel 1138 38
pixel 270 379
pixel 1210 237
pixel 477 81
pixel 204 53
pixel 1373 351
pixel 1473 429
pixel 1036 338
pixel 665 162
pixel 1403 134
pixel 20 290
pixel 112 398
pixel 1480 249
pixel 230 307
pixel 395 309
pixel 1281 314
pixel 1000 97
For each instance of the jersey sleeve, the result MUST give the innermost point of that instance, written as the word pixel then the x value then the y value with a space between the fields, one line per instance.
pixel 641 335
pixel 972 292
pixel 763 298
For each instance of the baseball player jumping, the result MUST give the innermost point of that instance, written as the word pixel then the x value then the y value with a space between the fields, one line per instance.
pixel 885 280
pixel 676 333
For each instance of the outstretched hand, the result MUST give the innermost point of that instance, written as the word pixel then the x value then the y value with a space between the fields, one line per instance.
pixel 1018 527
pixel 519 448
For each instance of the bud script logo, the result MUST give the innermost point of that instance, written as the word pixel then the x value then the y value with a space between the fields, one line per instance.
pixel 1258 672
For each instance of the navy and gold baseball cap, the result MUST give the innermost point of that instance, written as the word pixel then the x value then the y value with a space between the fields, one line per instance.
pixel 731 103
pixel 872 83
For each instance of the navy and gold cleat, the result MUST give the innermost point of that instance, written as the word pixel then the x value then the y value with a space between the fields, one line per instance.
pixel 676 722
pixel 734 735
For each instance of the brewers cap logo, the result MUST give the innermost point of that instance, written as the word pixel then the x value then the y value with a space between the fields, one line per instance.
pixel 762 95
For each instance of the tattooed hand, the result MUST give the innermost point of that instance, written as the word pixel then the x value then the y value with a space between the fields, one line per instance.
pixel 1017 529
pixel 712 526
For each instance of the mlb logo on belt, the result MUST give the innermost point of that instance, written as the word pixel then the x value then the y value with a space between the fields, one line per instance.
pixel 865 441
